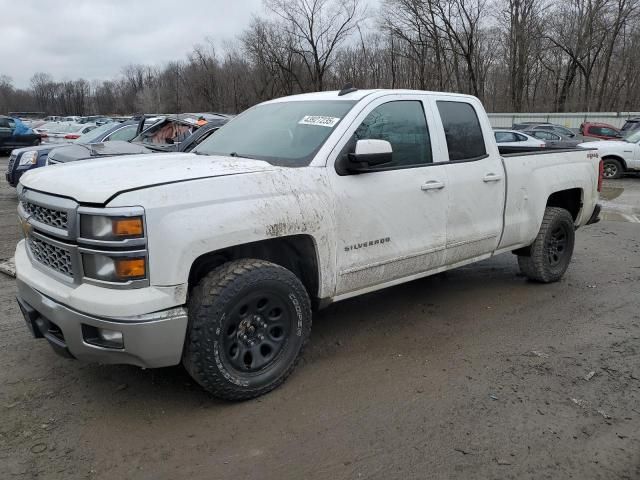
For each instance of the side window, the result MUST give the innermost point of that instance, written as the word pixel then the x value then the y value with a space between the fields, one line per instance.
pixel 521 138
pixel 462 130
pixel 403 125
pixel 595 130
pixel 4 123
pixel 609 132
pixel 547 136
pixel 126 134
pixel 504 137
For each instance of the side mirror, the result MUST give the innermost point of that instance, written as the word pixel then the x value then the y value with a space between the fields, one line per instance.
pixel 369 153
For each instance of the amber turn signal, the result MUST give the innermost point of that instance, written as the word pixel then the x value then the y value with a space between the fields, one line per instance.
pixel 130 267
pixel 128 227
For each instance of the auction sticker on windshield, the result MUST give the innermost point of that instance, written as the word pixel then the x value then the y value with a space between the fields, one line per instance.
pixel 319 120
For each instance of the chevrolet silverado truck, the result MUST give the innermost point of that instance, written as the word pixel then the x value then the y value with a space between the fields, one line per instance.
pixel 216 259
pixel 618 156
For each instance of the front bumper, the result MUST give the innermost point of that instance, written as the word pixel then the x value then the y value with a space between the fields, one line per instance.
pixel 151 340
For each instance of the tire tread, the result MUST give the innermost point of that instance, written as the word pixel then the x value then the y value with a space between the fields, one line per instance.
pixel 215 289
pixel 533 265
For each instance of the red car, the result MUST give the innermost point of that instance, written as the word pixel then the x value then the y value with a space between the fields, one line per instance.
pixel 603 131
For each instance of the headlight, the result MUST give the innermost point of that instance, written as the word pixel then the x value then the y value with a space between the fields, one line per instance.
pixel 114 268
pixel 99 227
pixel 29 158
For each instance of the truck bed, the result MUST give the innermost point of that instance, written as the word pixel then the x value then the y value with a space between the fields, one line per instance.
pixel 532 177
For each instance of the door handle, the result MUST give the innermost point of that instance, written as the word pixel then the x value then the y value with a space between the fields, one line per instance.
pixel 432 185
pixel 492 177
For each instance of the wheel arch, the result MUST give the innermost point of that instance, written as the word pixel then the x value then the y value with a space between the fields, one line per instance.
pixel 297 253
pixel 569 199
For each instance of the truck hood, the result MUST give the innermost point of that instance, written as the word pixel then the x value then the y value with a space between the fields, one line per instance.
pixel 97 181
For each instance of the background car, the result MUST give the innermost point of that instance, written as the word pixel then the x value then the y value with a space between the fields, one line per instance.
pixel 12 136
pixel 550 127
pixel 25 159
pixel 62 132
pixel 553 139
pixel 169 133
pixel 630 125
pixel 513 138
pixel 603 131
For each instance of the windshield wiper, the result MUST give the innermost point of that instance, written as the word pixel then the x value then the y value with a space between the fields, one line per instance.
pixel 238 155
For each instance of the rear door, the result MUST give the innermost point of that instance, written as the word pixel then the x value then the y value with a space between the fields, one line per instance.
pixel 476 183
pixel 391 222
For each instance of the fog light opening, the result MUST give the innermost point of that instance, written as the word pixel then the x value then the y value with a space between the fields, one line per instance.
pixel 102 337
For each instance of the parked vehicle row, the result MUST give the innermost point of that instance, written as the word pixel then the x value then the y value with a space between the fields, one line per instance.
pixel 23 159
pixel 148 134
pixel 536 138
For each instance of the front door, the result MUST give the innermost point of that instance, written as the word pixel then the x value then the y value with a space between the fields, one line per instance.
pixel 391 222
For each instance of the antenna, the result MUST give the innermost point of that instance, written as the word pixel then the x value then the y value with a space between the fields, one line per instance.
pixel 348 88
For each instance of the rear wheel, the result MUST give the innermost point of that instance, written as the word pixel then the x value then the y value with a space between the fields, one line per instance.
pixel 612 168
pixel 248 323
pixel 550 254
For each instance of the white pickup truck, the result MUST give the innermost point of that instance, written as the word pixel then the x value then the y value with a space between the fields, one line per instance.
pixel 618 156
pixel 217 258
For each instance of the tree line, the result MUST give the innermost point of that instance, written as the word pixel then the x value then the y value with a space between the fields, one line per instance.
pixel 515 55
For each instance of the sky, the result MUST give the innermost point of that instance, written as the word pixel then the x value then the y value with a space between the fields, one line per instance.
pixel 94 39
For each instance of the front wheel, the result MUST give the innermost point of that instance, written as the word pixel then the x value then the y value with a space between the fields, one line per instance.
pixel 550 254
pixel 248 323
pixel 612 168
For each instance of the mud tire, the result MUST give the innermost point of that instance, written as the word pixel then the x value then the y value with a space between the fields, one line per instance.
pixel 215 308
pixel 549 255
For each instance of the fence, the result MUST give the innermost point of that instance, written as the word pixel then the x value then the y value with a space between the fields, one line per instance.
pixel 569 120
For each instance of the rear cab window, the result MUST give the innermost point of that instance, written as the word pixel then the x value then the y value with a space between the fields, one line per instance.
pixel 465 141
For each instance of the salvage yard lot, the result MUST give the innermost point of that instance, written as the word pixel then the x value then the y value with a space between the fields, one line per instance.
pixel 476 373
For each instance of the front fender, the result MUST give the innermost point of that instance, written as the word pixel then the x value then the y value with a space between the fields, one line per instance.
pixel 189 219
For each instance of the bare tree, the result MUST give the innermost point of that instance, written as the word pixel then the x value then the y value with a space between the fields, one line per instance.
pixel 318 28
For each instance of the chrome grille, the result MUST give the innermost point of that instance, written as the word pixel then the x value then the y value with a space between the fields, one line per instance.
pixel 12 160
pixel 51 256
pixel 48 216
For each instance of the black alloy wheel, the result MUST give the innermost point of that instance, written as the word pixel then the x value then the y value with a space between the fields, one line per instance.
pixel 257 329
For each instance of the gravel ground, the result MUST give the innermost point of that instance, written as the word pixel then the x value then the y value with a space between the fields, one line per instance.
pixel 475 373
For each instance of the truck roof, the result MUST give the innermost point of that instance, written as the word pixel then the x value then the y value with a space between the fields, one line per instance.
pixel 359 95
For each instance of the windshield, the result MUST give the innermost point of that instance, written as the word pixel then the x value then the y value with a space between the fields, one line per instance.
pixel 633 137
pixel 282 133
pixel 94 135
